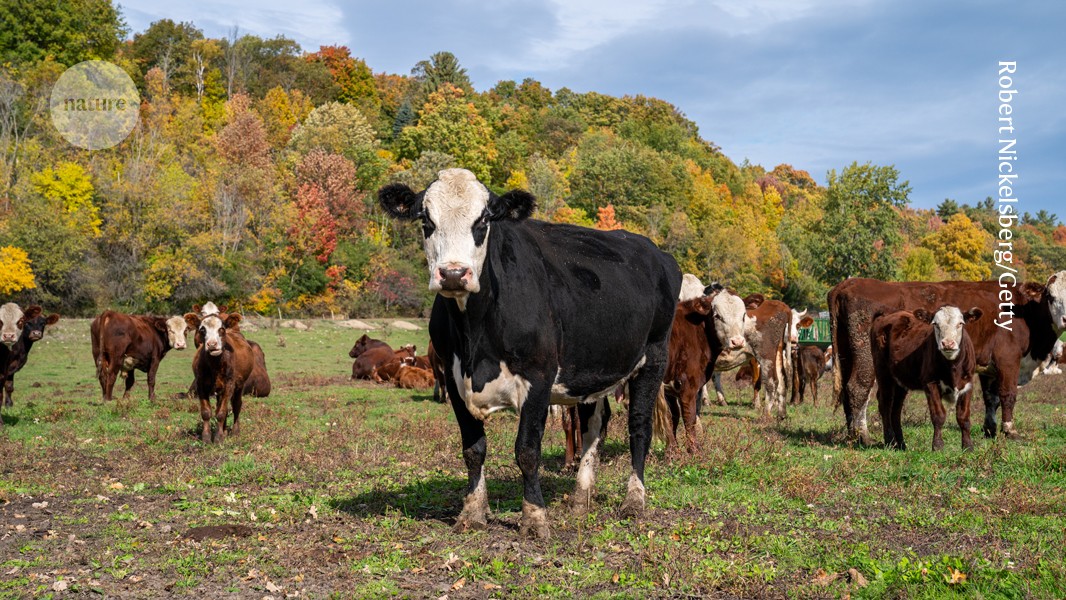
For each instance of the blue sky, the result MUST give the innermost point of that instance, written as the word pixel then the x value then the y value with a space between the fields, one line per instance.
pixel 817 84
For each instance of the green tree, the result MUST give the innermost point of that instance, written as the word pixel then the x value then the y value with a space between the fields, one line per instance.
pixel 440 70
pixel 919 265
pixel 168 46
pixel 860 233
pixel 70 32
pixel 947 208
pixel 451 124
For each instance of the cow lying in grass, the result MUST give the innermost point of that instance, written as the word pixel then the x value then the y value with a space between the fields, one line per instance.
pixel 929 352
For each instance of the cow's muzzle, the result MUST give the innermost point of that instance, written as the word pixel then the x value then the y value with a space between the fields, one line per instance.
pixel 455 279
pixel 36 335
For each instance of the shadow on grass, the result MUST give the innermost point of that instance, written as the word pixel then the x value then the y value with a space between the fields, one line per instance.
pixel 9 419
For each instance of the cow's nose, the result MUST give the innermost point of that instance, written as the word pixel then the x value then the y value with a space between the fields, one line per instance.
pixel 454 278
pixel 949 344
pixel 736 342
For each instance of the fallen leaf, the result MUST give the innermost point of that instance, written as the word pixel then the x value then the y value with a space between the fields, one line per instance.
pixel 313 511
pixel 956 577
pixel 823 579
pixel 273 589
pixel 614 578
pixel 491 586
pixel 60 586
pixel 40 505
pixel 856 577
pixel 972 490
pixel 452 561
pixel 458 585
pixel 116 486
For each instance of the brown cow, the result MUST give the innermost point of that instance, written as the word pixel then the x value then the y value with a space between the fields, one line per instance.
pixel 16 357
pixel 1001 343
pixel 389 370
pixel 363 344
pixel 809 365
pixel 375 357
pixel 222 366
pixel 414 378
pixel 440 391
pixel 772 350
pixel 124 343
pixel 922 351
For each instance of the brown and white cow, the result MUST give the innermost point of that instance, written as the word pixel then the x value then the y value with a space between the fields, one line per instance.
pixel 370 360
pixel 122 344
pixel 414 378
pixel 771 349
pixel 1002 341
pixel 222 366
pixel 14 358
pixel 928 352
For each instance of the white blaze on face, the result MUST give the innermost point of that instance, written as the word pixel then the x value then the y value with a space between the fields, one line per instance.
pixel 10 323
pixel 1056 289
pixel 176 332
pixel 948 329
pixel 454 206
pixel 731 320
pixel 211 328
pixel 691 288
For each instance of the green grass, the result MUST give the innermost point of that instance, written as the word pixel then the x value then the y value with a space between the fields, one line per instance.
pixel 350 490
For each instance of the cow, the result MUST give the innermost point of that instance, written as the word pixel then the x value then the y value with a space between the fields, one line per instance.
pixel 122 344
pixel 389 370
pixel 440 391
pixel 367 363
pixel 810 364
pixel 770 346
pixel 221 367
pixel 529 313
pixel 12 322
pixel 363 344
pixel 32 331
pixel 414 378
pixel 258 383
pixel 929 352
pixel 1025 333
pixel 800 320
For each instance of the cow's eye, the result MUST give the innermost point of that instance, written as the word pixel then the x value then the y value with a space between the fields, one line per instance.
pixel 427 226
pixel 480 230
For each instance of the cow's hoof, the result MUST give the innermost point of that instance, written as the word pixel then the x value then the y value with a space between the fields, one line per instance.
pixel 633 506
pixel 581 503
pixel 534 523
pixel 470 523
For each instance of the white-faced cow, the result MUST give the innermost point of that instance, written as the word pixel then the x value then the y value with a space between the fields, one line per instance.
pixel 529 314
pixel 124 343
pixel 1009 345
pixel 928 352
pixel 221 368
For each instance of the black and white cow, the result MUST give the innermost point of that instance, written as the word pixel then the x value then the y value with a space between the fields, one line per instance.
pixel 530 314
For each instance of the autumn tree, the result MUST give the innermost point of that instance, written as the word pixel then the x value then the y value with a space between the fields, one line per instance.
pixel 451 124
pixel 605 220
pixel 961 249
pixel 70 32
pixel 16 272
pixel 354 81
pixel 441 70
pixel 334 178
pixel 169 46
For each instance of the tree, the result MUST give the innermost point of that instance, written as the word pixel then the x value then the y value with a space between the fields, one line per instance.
pixel 169 46
pixel 961 249
pixel 70 32
pixel 947 208
pixel 70 185
pixel 451 124
pixel 605 219
pixel 336 128
pixel 17 274
pixel 353 78
pixel 860 233
pixel 334 179
pixel 440 70
pixel 919 265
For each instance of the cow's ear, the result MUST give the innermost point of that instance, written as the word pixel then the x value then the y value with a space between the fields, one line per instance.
pixel 52 319
pixel 515 205
pixel 1051 280
pixel 196 308
pixel 806 322
pixel 1032 291
pixel 231 320
pixel 923 315
pixel 32 312
pixel 192 320
pixel 973 314
pixel 222 309
pixel 703 304
pixel 713 289
pixel 400 201
pixel 160 323
pixel 754 301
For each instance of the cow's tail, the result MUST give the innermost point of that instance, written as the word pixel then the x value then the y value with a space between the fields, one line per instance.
pixel 660 421
pixel 834 335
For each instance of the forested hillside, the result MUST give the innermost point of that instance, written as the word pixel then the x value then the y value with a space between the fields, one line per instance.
pixel 251 180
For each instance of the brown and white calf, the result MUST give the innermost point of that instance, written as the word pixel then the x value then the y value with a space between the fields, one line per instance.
pixel 928 352
pixel 414 378
pixel 122 344
pixel 222 366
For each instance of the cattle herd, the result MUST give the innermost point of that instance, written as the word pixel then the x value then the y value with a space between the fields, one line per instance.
pixel 532 315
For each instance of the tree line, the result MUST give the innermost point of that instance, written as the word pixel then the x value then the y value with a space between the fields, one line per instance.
pixel 251 176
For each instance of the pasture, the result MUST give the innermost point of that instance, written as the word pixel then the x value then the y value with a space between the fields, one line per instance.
pixel 349 489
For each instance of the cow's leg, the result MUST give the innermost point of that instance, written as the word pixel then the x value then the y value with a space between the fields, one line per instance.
pixel 129 385
pixel 152 368
pixel 222 410
pixel 718 392
pixel 674 404
pixel 238 400
pixel 475 512
pixel 690 417
pixel 898 396
pixel 643 388
pixel 885 400
pixel 989 392
pixel 108 378
pixel 572 432
pixel 593 418
pixel 205 416
pixel 9 387
pixel 962 416
pixel 756 384
pixel 527 447
pixel 937 414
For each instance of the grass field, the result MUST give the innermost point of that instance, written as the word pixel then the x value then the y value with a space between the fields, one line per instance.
pixel 342 489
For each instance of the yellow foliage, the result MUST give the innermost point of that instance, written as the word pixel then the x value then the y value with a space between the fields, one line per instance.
pixel 517 181
pixel 69 184
pixel 15 272
pixel 962 248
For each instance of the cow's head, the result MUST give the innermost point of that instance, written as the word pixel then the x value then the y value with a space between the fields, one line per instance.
pixel 948 329
pixel 209 308
pixel 456 212
pixel 13 319
pixel 691 287
pixel 174 328
pixel 34 328
pixel 1056 292
pixel 213 329
pixel 800 320
pixel 731 321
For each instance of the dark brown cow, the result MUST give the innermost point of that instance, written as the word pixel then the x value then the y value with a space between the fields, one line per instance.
pixel 363 344
pixel 414 378
pixel 375 357
pixel 440 391
pixel 223 364
pixel 122 344
pixel 1002 340
pixel 809 365
pixel 258 383
pixel 929 352
pixel 19 353
pixel 686 372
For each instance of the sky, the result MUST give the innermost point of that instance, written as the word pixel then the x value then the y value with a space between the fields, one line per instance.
pixel 817 84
